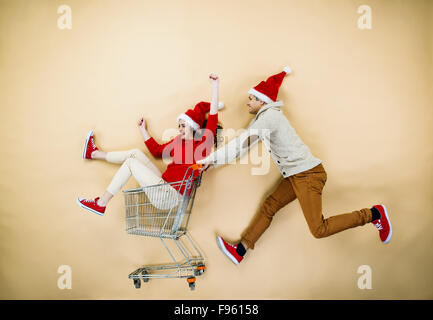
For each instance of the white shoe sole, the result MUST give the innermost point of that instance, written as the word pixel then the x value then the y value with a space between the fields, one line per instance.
pixel 87 208
pixel 87 142
pixel 224 250
pixel 389 223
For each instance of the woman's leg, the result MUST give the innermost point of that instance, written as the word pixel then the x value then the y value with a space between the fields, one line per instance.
pixel 99 155
pixel 162 197
pixel 132 166
pixel 103 201
pixel 121 156
pixel 91 151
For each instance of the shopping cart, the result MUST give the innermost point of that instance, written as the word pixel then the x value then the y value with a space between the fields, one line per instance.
pixel 163 212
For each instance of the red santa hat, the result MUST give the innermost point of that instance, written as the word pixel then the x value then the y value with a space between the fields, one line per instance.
pixel 195 117
pixel 267 91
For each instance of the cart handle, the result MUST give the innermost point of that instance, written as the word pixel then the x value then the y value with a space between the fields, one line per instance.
pixel 196 166
pixel 193 167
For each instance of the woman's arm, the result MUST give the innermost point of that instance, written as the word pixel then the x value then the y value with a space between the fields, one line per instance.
pixel 214 100
pixel 212 121
pixel 154 147
pixel 207 140
pixel 143 129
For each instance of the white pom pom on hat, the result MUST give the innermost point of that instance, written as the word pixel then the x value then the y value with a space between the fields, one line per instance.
pixel 287 70
pixel 220 105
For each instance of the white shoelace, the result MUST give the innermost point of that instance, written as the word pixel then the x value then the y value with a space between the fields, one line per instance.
pixel 231 245
pixel 92 142
pixel 378 225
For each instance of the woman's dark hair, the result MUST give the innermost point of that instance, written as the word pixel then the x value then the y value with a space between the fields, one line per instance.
pixel 217 138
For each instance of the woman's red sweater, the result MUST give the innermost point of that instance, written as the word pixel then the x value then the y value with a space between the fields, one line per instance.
pixel 184 153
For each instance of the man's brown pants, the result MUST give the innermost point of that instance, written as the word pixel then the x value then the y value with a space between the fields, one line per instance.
pixel 307 188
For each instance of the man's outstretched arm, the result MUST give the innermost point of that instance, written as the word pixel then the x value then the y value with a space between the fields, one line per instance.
pixel 233 150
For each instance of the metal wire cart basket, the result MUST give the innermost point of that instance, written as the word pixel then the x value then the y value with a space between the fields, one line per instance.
pixel 163 211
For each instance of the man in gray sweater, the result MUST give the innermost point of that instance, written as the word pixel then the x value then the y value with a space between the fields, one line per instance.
pixel 303 174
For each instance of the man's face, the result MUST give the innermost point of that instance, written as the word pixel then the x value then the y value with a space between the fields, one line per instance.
pixel 254 104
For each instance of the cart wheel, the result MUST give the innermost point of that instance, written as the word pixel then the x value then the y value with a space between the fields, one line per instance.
pixel 191 283
pixel 137 283
pixel 144 279
pixel 200 270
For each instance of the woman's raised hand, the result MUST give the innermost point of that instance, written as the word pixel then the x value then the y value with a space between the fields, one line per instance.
pixel 213 78
pixel 142 123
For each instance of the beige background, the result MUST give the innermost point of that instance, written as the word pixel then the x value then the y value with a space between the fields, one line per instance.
pixel 361 100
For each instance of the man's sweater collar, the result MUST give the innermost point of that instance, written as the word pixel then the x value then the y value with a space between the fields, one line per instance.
pixel 275 105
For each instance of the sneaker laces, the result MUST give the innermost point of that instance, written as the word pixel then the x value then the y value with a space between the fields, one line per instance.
pixel 232 245
pixel 91 201
pixel 92 142
pixel 378 225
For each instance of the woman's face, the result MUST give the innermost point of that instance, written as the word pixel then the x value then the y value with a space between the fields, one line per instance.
pixel 185 130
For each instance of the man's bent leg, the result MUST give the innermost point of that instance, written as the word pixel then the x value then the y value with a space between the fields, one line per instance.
pixel 308 188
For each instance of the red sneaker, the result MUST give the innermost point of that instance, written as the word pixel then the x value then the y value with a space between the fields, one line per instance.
pixel 229 250
pixel 383 224
pixel 91 205
pixel 89 146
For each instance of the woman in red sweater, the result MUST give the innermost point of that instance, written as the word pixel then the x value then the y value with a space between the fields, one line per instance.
pixel 184 150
